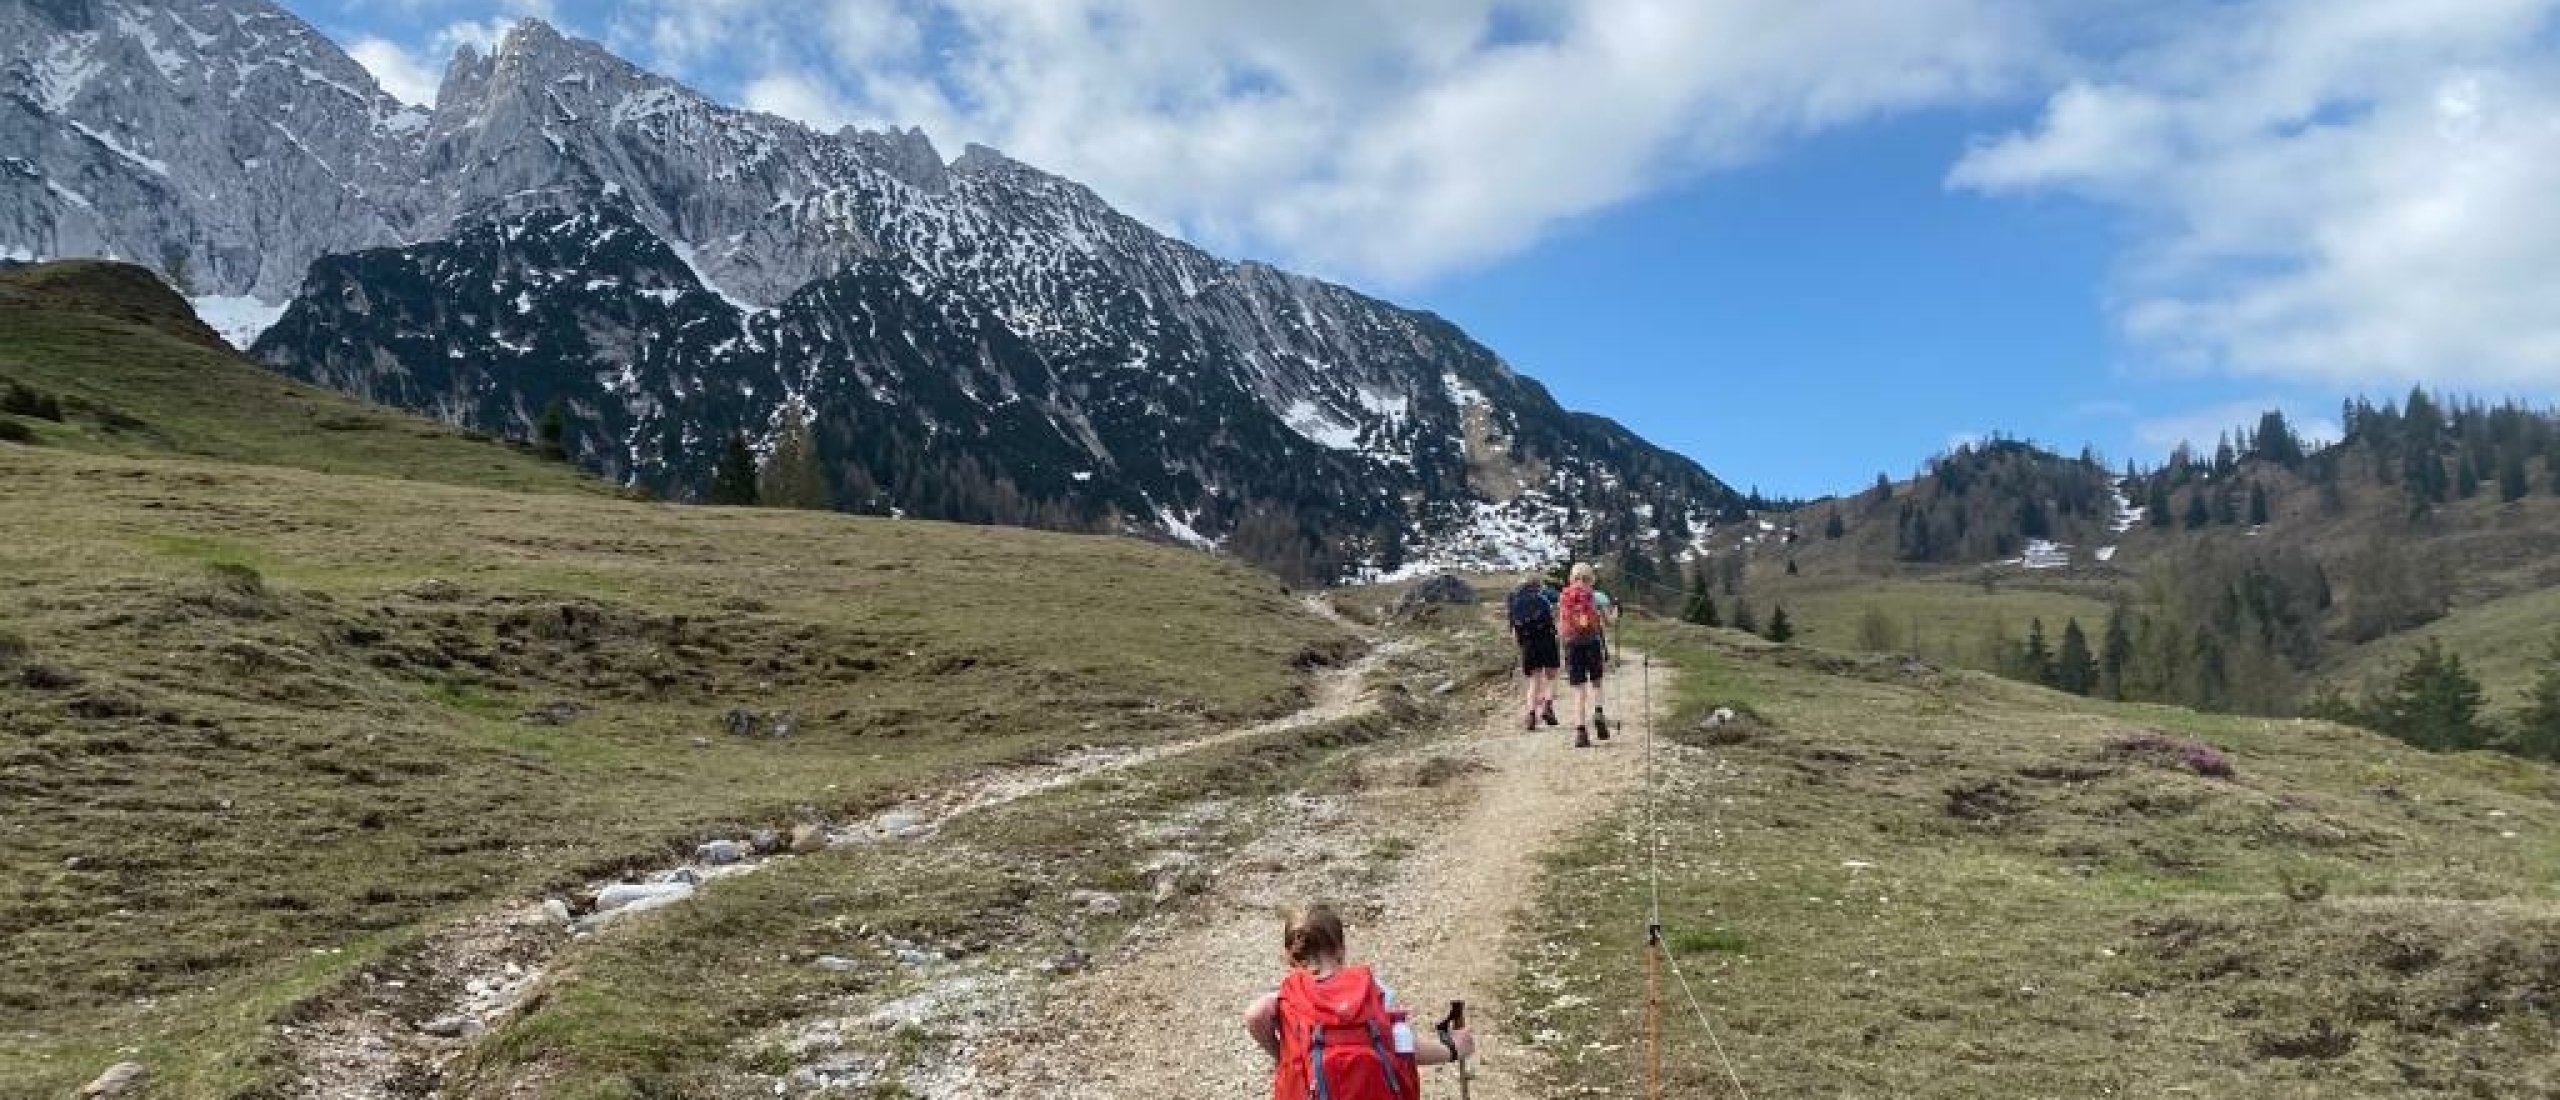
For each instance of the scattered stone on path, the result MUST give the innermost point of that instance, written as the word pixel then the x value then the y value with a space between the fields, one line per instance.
pixel 120 1079
pixel 807 838
pixel 450 1027
pixel 638 896
pixel 1095 901
pixel 557 911
pixel 765 841
pixel 721 853
pixel 837 963
pixel 741 722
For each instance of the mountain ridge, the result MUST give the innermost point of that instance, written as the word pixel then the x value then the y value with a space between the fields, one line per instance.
pixel 1301 423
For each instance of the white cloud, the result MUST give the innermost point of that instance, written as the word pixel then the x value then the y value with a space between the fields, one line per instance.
pixel 2348 192
pixel 1391 142
pixel 403 76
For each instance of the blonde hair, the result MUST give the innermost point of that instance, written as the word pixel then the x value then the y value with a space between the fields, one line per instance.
pixel 1583 573
pixel 1312 933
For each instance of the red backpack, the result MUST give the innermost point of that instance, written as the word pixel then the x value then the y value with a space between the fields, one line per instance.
pixel 1337 1043
pixel 1580 614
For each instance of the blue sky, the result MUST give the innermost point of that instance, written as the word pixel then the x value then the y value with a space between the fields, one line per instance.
pixel 1802 241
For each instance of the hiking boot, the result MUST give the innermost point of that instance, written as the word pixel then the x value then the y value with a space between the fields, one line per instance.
pixel 1581 738
pixel 1533 722
pixel 1550 713
pixel 1600 724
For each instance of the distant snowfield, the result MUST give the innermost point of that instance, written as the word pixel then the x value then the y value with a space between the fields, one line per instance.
pixel 238 319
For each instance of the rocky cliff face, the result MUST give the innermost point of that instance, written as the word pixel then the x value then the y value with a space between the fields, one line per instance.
pixel 976 340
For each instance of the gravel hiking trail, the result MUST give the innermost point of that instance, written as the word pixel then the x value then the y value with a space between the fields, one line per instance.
pixel 390 1036
pixel 1431 858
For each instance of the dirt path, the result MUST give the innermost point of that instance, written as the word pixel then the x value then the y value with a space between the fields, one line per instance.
pixel 390 1036
pixel 1160 1017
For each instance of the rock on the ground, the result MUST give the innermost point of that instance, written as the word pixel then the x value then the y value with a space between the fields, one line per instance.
pixel 1095 901
pixel 808 838
pixel 837 963
pixel 720 853
pixel 639 896
pixel 557 911
pixel 765 841
pixel 450 1027
pixel 1446 588
pixel 120 1079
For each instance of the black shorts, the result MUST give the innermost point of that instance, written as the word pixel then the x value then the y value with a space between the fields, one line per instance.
pixel 1538 653
pixel 1583 660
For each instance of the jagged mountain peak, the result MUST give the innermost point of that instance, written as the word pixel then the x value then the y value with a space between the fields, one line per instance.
pixel 979 339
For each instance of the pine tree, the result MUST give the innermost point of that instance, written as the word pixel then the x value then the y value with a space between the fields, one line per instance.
pixel 2257 505
pixel 2466 481
pixel 2115 656
pixel 2512 485
pixel 2198 512
pixel 1780 630
pixel 554 431
pixel 2157 510
pixel 1791 567
pixel 2035 662
pixel 1743 620
pixel 1701 608
pixel 733 481
pixel 2538 728
pixel 2434 703
pixel 794 476
pixel 1883 488
pixel 2075 670
pixel 1832 528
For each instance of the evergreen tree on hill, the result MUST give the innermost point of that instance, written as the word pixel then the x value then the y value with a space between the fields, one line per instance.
pixel 2198 512
pixel 794 476
pixel 2538 728
pixel 2035 661
pixel 1780 630
pixel 2512 485
pixel 733 480
pixel 1832 528
pixel 2257 505
pixel 1701 608
pixel 2115 655
pixel 2434 703
pixel 2075 669
pixel 1743 619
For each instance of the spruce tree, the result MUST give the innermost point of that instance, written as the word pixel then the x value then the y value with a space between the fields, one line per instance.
pixel 2035 662
pixel 2434 703
pixel 2257 505
pixel 1780 630
pixel 2198 512
pixel 2157 510
pixel 794 476
pixel 2512 485
pixel 2538 728
pixel 733 480
pixel 2115 656
pixel 1743 619
pixel 1832 528
pixel 554 431
pixel 2466 481
pixel 1701 608
pixel 2075 670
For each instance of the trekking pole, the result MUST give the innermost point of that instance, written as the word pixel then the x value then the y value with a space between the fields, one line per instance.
pixel 1457 1018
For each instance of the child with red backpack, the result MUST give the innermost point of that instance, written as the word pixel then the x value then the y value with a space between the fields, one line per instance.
pixel 1335 1032
pixel 1582 621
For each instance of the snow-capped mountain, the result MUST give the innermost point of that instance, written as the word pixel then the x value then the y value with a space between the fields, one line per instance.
pixel 974 339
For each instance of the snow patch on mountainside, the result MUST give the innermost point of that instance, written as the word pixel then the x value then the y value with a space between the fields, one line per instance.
pixel 1526 533
pixel 237 318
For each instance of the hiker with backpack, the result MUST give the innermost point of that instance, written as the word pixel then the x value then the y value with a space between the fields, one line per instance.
pixel 1533 625
pixel 1582 622
pixel 1334 1031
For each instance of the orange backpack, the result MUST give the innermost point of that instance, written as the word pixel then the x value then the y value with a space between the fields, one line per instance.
pixel 1337 1042
pixel 1580 614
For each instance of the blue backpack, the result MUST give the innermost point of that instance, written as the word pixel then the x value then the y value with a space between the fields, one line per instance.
pixel 1531 614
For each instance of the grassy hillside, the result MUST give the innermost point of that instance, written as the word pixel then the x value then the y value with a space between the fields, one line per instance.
pixel 2503 641
pixel 137 374
pixel 258 726
pixel 1899 882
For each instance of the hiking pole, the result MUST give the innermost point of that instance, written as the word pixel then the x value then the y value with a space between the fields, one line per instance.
pixel 1457 1018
